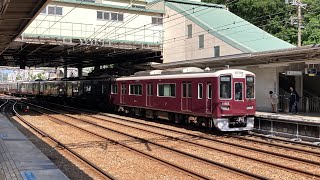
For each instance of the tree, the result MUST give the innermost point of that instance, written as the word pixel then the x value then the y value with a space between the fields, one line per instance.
pixel 273 16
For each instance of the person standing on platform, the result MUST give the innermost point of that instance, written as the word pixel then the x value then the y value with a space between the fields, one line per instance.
pixel 274 101
pixel 293 101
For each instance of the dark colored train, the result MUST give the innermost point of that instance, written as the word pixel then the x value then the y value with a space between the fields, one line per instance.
pixel 222 99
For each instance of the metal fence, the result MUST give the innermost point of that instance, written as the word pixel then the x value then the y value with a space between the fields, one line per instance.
pixel 92 31
pixel 306 104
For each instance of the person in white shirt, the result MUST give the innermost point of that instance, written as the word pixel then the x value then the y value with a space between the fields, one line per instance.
pixel 274 101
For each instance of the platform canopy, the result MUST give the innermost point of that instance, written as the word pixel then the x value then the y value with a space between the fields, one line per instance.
pixel 15 15
pixel 307 54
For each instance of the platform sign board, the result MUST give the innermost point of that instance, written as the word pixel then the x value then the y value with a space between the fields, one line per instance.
pixel 312 71
pixel 293 73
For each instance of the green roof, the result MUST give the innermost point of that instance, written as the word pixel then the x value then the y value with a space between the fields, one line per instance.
pixel 228 27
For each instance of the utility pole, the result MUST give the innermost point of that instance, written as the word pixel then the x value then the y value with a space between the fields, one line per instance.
pixel 298 19
pixel 299 23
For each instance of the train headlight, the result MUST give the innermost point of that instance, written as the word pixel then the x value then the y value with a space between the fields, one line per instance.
pixel 225 107
pixel 249 107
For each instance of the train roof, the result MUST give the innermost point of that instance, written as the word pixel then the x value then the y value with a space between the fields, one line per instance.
pixel 236 73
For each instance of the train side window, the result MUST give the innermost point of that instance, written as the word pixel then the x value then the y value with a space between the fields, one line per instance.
pixel 200 91
pixel 150 89
pixel 186 90
pixel 209 91
pixel 114 89
pixel 225 87
pixel 123 89
pixel 250 87
pixel 135 89
pixel 166 90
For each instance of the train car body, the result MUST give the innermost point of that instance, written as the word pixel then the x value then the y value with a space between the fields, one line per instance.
pixel 223 99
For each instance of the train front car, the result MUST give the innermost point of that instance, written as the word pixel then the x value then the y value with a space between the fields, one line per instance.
pixel 236 104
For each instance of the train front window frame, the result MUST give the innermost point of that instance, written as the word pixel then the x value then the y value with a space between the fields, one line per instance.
pixel 238 91
pixel 225 87
pixel 250 87
pixel 166 90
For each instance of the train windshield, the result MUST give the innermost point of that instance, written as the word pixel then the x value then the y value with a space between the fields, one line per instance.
pixel 250 87
pixel 225 87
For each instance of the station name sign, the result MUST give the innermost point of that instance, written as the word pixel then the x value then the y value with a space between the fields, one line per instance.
pixel 293 73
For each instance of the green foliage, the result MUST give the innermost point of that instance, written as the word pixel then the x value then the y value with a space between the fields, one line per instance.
pixel 273 16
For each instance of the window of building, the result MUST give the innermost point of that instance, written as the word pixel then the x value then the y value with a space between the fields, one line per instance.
pixel 59 11
pixel 52 10
pixel 157 20
pixel 101 15
pixel 114 89
pixel 225 87
pixel 44 10
pixel 216 51
pixel 189 31
pixel 201 41
pixel 166 90
pixel 200 91
pixel 135 89
pixel 120 17
pixel 114 16
pixel 106 16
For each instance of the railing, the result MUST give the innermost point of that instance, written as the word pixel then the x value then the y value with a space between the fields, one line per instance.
pixel 306 104
pixel 91 31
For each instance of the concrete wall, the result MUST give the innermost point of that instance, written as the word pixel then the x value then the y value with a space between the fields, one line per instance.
pixel 82 22
pixel 266 80
pixel 178 47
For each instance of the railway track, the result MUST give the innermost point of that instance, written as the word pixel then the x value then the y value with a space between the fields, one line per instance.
pixel 262 142
pixel 104 174
pixel 180 153
pixel 295 170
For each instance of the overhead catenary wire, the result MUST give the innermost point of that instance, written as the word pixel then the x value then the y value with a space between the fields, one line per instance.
pixel 118 53
pixel 208 31
pixel 214 30
pixel 193 8
pixel 78 4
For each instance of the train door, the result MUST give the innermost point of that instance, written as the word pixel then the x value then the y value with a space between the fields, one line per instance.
pixel 123 93
pixel 186 99
pixel 209 98
pixel 149 95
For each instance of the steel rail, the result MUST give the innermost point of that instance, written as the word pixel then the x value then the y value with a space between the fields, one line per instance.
pixel 224 151
pixel 180 168
pixel 106 174
pixel 207 161
pixel 207 138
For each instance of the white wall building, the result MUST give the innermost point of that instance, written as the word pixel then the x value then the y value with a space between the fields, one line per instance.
pixel 103 20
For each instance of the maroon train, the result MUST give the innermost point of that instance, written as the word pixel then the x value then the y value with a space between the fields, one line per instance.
pixel 223 99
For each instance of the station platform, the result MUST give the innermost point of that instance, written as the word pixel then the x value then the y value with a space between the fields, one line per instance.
pixel 22 160
pixel 308 118
pixel 301 126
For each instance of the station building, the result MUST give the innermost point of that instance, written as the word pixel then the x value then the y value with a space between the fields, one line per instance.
pixel 209 35
pixel 189 33
pixel 99 21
